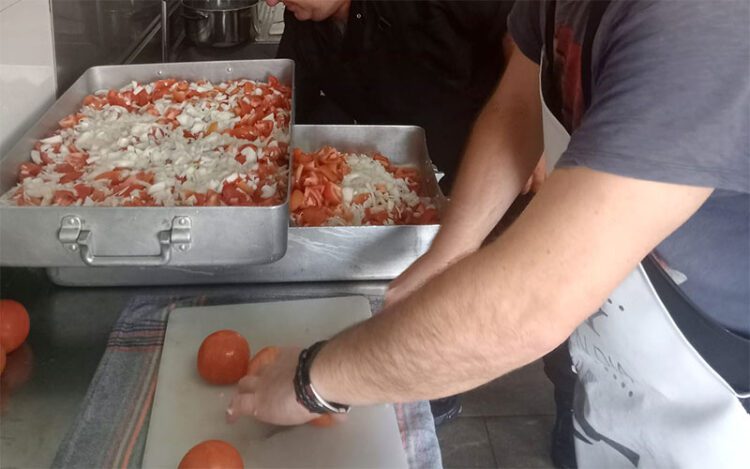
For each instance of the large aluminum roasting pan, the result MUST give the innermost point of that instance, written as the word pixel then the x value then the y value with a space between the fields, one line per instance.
pixel 140 236
pixel 313 254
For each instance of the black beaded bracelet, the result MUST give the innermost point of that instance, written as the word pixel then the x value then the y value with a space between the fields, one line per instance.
pixel 304 390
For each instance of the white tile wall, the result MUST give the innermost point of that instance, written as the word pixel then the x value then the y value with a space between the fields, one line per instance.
pixel 27 66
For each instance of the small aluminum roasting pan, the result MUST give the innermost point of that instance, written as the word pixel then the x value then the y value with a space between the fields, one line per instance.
pixel 140 236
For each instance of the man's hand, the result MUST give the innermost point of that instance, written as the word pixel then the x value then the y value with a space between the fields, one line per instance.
pixel 269 394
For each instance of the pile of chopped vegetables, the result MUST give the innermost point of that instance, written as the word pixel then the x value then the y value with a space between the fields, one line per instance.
pixel 332 188
pixel 165 143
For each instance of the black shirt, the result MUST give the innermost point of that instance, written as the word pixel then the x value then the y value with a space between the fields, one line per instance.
pixel 431 64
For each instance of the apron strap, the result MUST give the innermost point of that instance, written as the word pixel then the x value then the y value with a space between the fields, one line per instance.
pixel 726 352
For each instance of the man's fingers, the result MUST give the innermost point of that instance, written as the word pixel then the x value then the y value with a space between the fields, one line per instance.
pixel 242 404
pixel 248 384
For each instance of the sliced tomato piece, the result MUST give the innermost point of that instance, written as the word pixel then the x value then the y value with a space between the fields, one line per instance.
pixel 63 198
pixel 98 195
pixel 329 173
pixel 179 96
pixel 142 98
pixel 375 217
pixel 212 198
pixel 382 159
pixel 46 159
pixel 114 176
pixel 64 168
pixel 428 217
pixel 332 194
pixel 127 186
pixel 246 133
pixel 244 187
pixel 28 169
pixel 359 199
pixel 264 127
pixel 296 200
pixel 77 160
pixel 145 176
pixel 70 177
pixel 83 191
pixel 115 99
pixel 233 196
pixel 314 216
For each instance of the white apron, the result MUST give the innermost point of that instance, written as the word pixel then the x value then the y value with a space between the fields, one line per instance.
pixel 645 397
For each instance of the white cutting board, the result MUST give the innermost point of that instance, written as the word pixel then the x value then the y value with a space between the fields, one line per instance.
pixel 187 410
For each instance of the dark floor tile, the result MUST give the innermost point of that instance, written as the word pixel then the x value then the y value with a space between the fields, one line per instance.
pixel 526 391
pixel 464 444
pixel 521 442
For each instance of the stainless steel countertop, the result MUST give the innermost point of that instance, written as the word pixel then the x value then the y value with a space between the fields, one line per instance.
pixel 69 330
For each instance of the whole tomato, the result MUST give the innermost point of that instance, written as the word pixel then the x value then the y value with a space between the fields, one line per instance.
pixel 14 324
pixel 223 357
pixel 212 454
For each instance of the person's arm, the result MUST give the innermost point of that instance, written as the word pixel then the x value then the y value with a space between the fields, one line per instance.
pixel 497 309
pixel 501 153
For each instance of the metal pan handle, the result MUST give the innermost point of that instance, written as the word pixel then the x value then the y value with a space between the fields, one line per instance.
pixel 195 15
pixel 85 242
pixel 75 238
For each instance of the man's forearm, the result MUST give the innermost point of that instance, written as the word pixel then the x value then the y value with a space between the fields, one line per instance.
pixel 505 144
pixel 512 301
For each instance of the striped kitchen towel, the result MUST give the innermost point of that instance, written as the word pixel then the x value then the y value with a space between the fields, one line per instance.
pixel 110 430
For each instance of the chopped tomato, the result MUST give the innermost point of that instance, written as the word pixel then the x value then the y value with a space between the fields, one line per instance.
pixel 127 186
pixel 70 120
pixel 114 176
pixel 46 159
pixel 212 198
pixel 98 196
pixel 429 216
pixel 246 133
pixel 178 96
pixel 233 196
pixel 28 169
pixel 359 199
pixel 77 160
pixel 264 127
pixel 314 216
pixel 296 200
pixel 375 217
pixel 70 177
pixel 142 98
pixel 384 160
pixel 83 191
pixel 116 99
pixel 332 193
pixel 329 172
pixel 242 185
pixel 64 198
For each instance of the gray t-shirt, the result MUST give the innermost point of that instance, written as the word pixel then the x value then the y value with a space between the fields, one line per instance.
pixel 669 101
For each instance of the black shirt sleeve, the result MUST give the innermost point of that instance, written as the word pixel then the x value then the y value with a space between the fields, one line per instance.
pixel 485 20
pixel 306 86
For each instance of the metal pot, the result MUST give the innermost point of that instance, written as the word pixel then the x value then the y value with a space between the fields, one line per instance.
pixel 219 23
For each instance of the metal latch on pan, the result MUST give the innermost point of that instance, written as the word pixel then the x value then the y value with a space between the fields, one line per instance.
pixel 75 238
